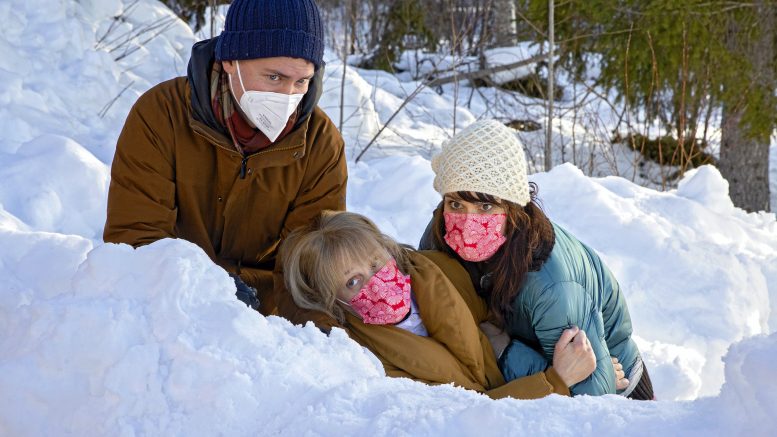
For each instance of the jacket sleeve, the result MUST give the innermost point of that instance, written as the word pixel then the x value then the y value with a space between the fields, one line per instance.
pixel 324 184
pixel 534 386
pixel 396 372
pixel 616 311
pixel 559 307
pixel 141 197
pixel 519 360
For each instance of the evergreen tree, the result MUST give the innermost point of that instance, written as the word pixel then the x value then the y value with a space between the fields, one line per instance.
pixel 677 63
pixel 749 107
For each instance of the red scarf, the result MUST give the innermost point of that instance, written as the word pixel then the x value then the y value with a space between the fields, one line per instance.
pixel 246 138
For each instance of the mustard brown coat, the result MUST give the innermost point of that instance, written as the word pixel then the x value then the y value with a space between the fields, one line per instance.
pixel 456 351
pixel 175 176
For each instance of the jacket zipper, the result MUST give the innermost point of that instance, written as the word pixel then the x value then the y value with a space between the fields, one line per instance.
pixel 243 167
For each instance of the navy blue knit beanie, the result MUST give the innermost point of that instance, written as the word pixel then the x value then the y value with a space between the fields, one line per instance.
pixel 269 28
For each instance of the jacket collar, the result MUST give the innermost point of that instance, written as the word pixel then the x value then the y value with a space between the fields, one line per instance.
pixel 452 330
pixel 284 152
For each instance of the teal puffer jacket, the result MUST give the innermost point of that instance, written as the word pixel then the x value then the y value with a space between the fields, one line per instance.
pixel 574 287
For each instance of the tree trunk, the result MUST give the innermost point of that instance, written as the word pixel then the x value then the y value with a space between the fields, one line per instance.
pixel 744 162
pixel 504 30
pixel 744 149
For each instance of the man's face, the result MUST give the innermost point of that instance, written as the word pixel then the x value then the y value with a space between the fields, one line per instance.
pixel 279 75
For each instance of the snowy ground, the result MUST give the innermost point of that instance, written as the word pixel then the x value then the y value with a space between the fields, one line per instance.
pixel 104 340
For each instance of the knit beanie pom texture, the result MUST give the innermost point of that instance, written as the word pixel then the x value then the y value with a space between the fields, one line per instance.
pixel 269 28
pixel 486 157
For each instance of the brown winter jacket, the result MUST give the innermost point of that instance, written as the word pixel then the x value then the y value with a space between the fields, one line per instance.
pixel 174 176
pixel 456 351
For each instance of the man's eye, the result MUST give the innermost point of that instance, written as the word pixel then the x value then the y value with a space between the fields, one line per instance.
pixel 302 81
pixel 274 77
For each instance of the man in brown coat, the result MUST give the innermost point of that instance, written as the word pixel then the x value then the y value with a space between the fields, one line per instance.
pixel 236 154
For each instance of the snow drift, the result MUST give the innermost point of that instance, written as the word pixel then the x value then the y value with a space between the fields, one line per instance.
pixel 116 341
pixel 102 339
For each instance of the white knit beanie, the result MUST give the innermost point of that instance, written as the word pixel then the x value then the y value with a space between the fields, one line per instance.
pixel 486 157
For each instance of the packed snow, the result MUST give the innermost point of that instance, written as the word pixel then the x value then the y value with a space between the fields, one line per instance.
pixel 101 339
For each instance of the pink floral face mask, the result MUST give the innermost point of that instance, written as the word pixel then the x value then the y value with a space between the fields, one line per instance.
pixel 385 298
pixel 475 237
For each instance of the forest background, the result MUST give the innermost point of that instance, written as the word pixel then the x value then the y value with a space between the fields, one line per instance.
pixel 692 82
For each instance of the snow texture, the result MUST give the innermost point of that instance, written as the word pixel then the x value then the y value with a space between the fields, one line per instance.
pixel 102 339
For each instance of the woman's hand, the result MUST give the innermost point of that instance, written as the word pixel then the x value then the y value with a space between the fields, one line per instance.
pixel 621 382
pixel 496 336
pixel 573 357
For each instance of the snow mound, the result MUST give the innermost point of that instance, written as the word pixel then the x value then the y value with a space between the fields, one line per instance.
pixel 751 388
pixel 76 69
pixel 152 341
pixel 681 263
pixel 706 186
pixel 117 341
pixel 675 369
pixel 53 184
pixel 104 339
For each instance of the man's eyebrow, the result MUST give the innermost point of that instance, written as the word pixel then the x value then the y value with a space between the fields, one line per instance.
pixel 306 77
pixel 275 73
pixel 284 76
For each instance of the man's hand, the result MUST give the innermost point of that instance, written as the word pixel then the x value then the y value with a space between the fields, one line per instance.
pixel 496 336
pixel 573 357
pixel 621 382
pixel 245 292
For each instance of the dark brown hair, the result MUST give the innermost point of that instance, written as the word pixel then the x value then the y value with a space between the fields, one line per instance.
pixel 530 239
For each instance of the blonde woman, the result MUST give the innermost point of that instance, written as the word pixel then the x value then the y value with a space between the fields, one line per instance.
pixel 397 303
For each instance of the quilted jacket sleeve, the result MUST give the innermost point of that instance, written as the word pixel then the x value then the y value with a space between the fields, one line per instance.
pixel 561 306
pixel 519 360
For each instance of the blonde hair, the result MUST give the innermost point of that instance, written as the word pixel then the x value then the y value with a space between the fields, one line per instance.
pixel 315 257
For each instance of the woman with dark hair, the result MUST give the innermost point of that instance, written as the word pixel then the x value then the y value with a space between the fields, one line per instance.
pixel 537 278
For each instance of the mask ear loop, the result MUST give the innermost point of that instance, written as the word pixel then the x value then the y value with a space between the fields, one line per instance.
pixel 349 308
pixel 239 77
